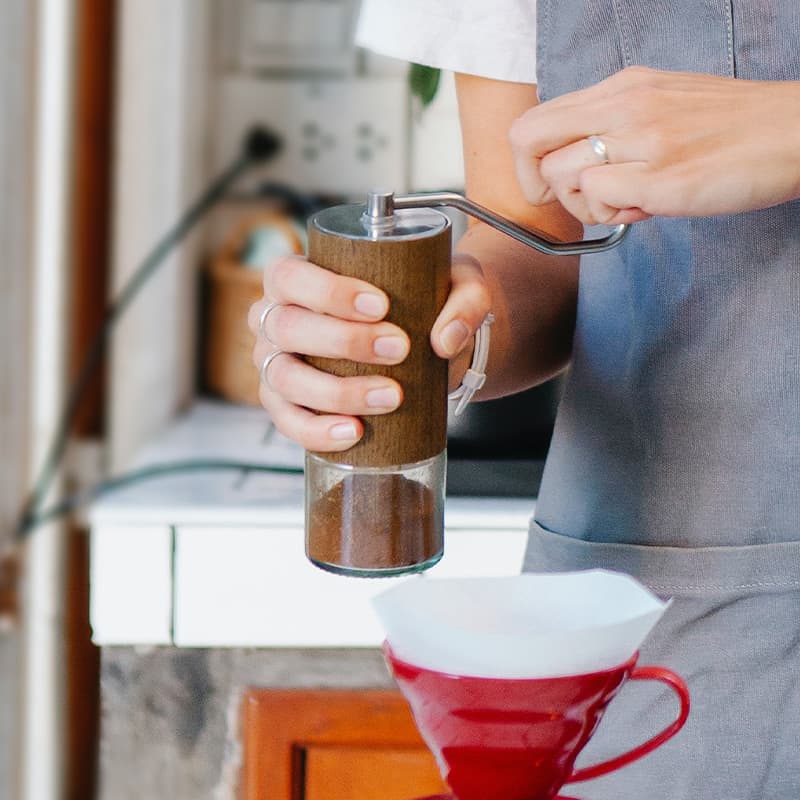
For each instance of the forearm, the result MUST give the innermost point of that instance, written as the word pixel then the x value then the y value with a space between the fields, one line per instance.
pixel 533 297
pixel 534 300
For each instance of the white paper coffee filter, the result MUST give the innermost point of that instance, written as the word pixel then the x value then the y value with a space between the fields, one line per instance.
pixel 521 626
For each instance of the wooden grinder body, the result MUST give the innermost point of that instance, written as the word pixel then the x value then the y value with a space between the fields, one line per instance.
pixel 414 271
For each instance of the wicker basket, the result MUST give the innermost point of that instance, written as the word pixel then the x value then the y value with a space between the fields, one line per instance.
pixel 233 288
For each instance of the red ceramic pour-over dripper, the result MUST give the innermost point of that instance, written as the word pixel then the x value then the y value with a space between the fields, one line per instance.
pixel 517 739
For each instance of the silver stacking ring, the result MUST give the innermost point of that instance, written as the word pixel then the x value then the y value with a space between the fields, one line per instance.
pixel 262 322
pixel 599 148
pixel 262 373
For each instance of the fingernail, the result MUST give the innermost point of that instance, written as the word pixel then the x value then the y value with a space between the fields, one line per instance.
pixel 454 336
pixel 390 347
pixel 371 305
pixel 387 397
pixel 343 431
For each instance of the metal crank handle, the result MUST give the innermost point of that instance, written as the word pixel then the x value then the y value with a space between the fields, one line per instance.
pixel 524 235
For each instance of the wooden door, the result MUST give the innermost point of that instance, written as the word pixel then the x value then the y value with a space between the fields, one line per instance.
pixel 334 745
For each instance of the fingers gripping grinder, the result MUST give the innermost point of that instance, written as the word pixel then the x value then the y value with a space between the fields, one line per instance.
pixel 377 509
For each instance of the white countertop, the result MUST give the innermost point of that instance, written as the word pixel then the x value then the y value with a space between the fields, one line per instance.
pixel 216 558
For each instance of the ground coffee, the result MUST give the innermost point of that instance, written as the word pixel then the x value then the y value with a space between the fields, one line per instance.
pixel 375 522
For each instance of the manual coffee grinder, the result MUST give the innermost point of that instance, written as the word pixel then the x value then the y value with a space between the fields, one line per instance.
pixel 377 509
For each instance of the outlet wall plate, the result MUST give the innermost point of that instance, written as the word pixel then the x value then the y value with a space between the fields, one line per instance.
pixel 341 137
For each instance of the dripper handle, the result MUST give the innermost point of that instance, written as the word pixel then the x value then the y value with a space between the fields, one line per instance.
pixel 648 673
pixel 534 239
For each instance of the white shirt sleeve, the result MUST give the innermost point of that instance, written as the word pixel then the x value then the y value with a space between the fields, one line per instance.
pixel 491 38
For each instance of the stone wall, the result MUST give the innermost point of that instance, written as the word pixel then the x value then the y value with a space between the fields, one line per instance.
pixel 170 717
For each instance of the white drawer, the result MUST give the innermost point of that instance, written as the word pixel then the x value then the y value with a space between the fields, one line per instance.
pixel 251 587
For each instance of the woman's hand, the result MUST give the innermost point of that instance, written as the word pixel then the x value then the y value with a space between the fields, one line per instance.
pixel 319 313
pixel 677 144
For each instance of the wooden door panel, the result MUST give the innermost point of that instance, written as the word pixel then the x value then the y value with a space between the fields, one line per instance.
pixel 370 773
pixel 333 745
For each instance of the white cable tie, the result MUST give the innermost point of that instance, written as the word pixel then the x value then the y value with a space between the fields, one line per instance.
pixel 475 376
pixel 470 383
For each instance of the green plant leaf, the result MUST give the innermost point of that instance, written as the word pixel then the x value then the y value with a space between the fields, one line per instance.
pixel 423 82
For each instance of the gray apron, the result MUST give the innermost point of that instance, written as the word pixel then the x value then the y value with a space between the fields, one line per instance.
pixel 676 452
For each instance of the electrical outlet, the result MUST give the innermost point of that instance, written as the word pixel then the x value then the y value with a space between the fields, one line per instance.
pixel 340 136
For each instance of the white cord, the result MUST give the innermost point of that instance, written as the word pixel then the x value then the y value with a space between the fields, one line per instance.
pixel 475 376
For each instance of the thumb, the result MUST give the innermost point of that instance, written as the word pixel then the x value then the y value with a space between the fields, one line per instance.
pixel 466 307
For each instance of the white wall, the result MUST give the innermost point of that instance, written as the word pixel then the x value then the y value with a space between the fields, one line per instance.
pixel 160 165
